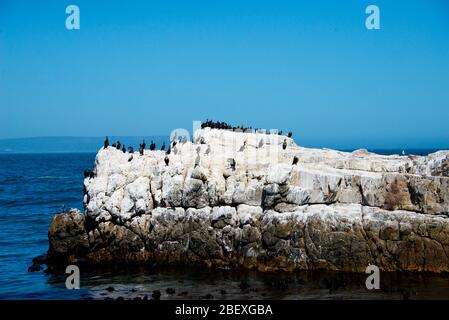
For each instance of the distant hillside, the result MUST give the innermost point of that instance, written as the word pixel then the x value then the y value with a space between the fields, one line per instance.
pixel 71 144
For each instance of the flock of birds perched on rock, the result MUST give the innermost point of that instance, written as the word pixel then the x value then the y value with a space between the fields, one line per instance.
pixel 207 124
pixel 225 126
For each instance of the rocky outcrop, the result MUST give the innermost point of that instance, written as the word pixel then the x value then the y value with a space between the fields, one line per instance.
pixel 237 199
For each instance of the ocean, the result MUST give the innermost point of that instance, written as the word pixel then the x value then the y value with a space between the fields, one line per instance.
pixel 33 187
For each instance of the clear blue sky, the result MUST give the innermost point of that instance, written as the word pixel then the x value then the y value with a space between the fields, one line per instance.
pixel 146 67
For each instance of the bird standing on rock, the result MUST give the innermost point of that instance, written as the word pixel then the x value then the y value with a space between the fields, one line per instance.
pixel 163 146
pixel 141 149
pixel 123 148
pixel 166 160
pixel 284 144
pixel 152 145
pixel 131 151
pixel 106 143
pixel 289 134
pixel 118 145
pixel 295 160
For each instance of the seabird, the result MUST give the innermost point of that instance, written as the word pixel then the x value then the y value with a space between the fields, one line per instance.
pixel 118 145
pixel 144 145
pixel 163 146
pixel 123 148
pixel 232 163
pixel 141 149
pixel 131 157
pixel 166 160
pixel 284 144
pixel 168 151
pixel 106 143
pixel 152 146
pixel 289 134
pixel 295 160
pixel 114 145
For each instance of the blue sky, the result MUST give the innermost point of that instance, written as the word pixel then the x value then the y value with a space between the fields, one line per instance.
pixel 146 67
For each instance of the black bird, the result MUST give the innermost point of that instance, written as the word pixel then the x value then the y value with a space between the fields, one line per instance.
pixel 152 146
pixel 106 142
pixel 114 145
pixel 295 160
pixel 141 149
pixel 232 163
pixel 166 160
pixel 131 151
pixel 163 146
pixel 284 144
pixel 174 143
pixel 118 145
pixel 169 150
pixel 289 134
pixel 123 148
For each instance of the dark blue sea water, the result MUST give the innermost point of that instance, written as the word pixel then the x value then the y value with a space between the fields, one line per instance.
pixel 33 187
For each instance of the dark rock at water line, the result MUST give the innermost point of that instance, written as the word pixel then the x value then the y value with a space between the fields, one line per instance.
pixel 35 267
pixel 156 295
pixel 170 291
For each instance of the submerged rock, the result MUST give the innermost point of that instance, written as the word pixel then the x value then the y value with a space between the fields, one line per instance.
pixel 331 210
